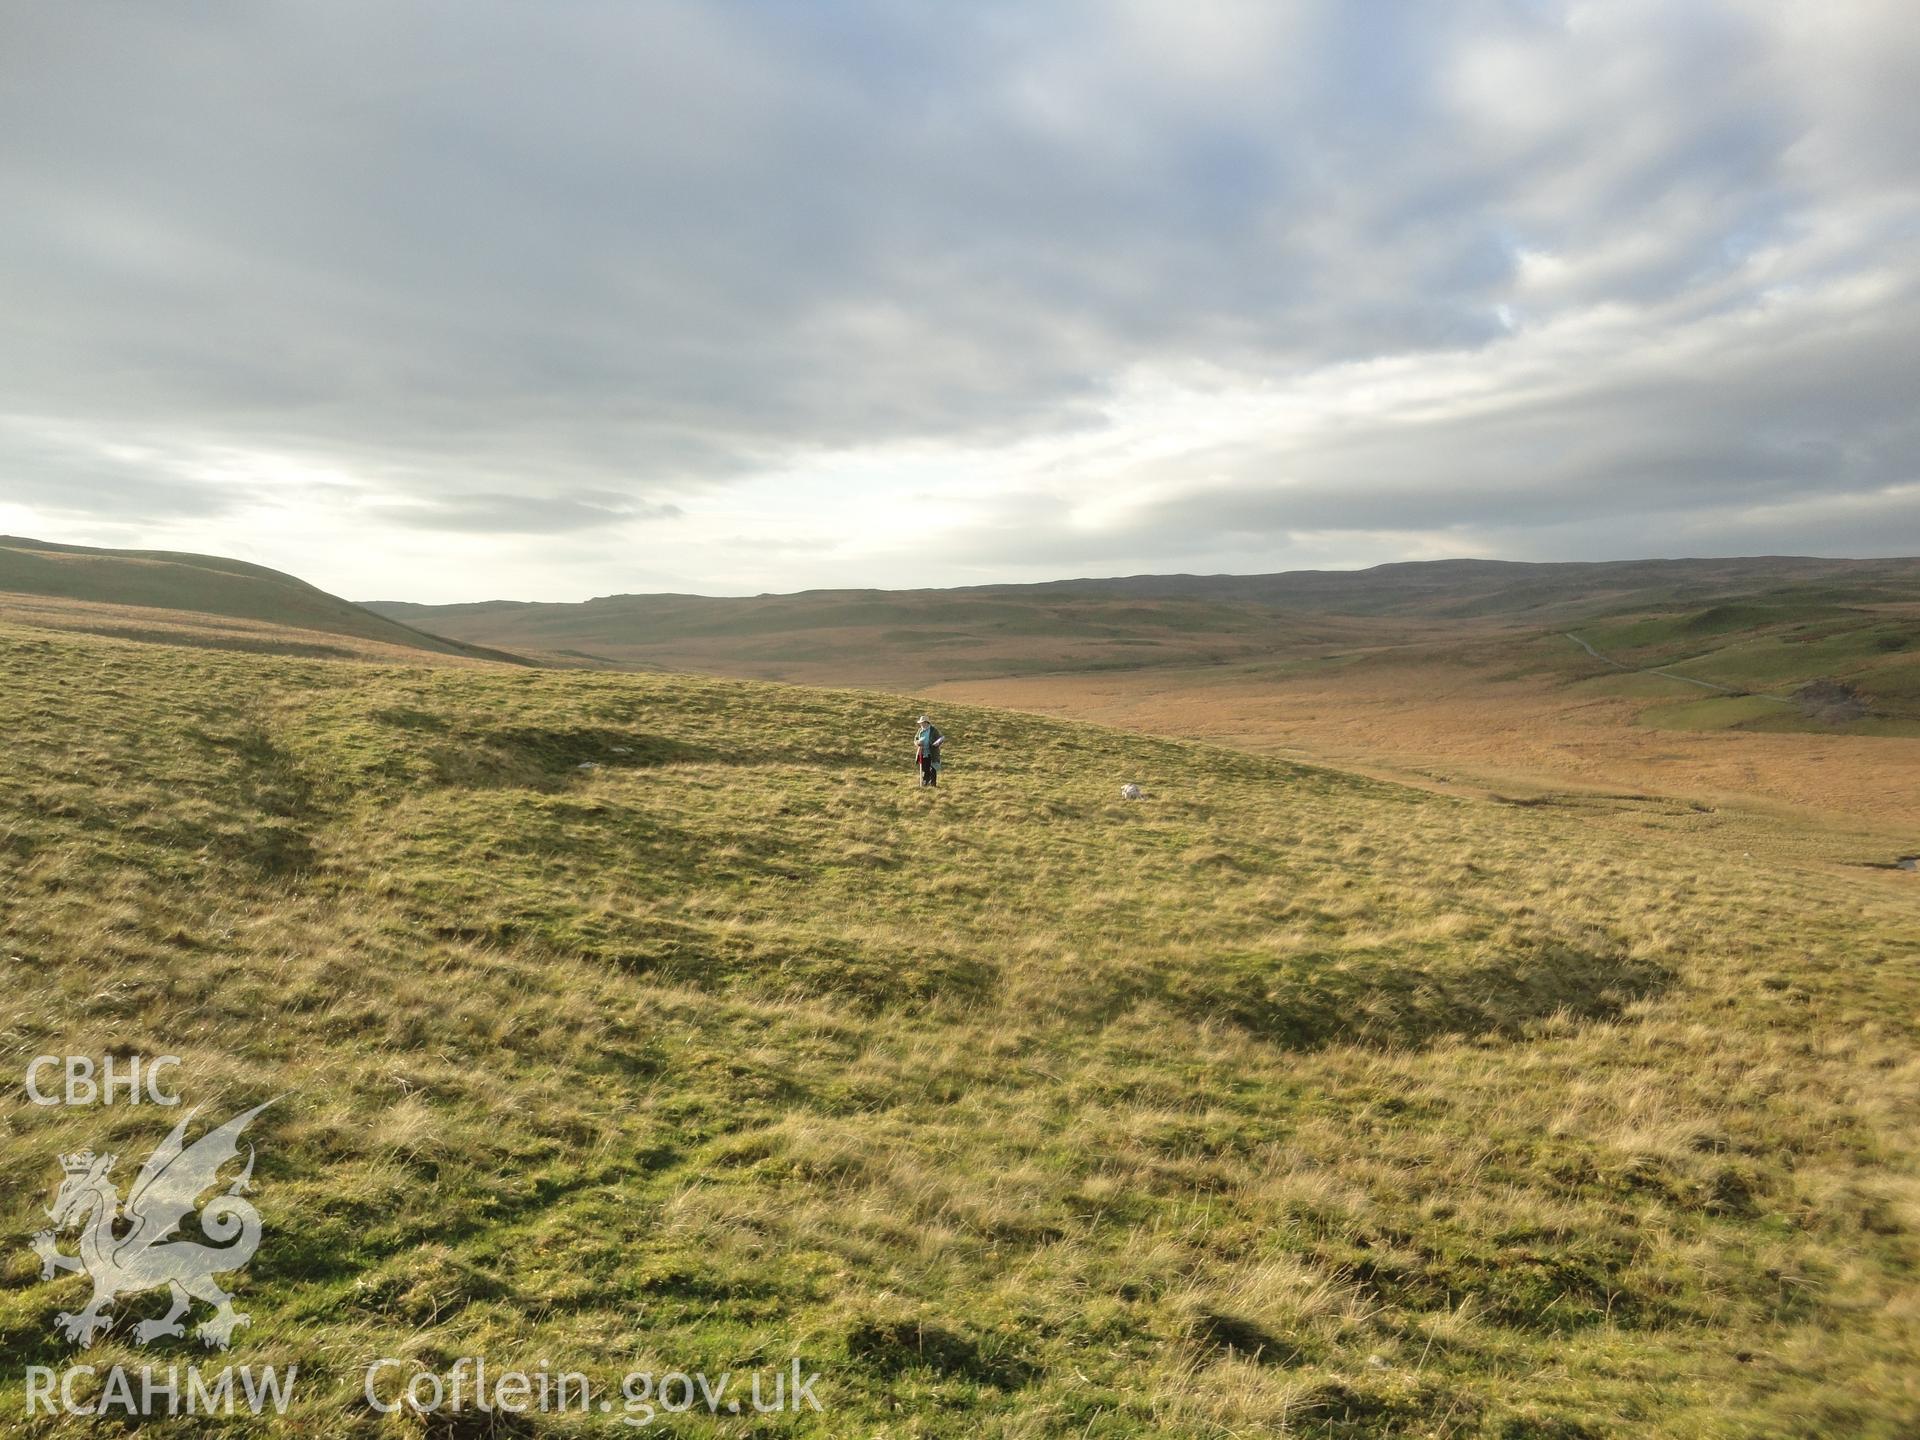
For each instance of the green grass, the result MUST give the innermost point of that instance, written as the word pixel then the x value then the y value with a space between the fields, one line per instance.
pixel 1772 646
pixel 1804 653
pixel 1763 713
pixel 1873 726
pixel 1758 645
pixel 1722 712
pixel 1277 1102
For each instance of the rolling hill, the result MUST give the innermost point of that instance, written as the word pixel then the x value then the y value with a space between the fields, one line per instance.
pixel 890 638
pixel 915 637
pixel 635 1023
pixel 1512 589
pixel 1755 682
pixel 200 599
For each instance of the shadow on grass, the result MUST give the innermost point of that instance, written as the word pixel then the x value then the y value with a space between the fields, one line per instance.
pixel 1236 1335
pixel 542 758
pixel 552 757
pixel 898 1347
pixel 774 967
pixel 1394 1001
pixel 1543 1285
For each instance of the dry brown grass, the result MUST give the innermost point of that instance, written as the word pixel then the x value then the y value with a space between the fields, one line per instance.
pixel 1471 727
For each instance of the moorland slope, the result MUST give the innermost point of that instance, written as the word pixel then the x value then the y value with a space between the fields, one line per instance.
pixel 631 1021
pixel 1780 683
pixel 904 638
pixel 199 599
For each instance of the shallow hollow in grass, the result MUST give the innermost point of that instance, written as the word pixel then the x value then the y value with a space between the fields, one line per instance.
pixel 1402 998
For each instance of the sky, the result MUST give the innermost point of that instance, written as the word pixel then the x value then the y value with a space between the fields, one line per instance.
pixel 470 299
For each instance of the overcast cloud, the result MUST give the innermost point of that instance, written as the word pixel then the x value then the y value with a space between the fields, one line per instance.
pixel 460 300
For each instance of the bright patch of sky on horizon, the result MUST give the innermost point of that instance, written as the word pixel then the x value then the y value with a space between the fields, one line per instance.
pixel 440 301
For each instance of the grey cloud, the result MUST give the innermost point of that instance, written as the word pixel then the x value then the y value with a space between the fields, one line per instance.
pixel 67 476
pixel 1780 438
pixel 524 514
pixel 532 269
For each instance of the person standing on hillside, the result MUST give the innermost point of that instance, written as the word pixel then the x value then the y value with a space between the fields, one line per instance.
pixel 926 751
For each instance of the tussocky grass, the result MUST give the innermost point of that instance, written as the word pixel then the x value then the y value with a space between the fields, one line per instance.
pixel 1280 1101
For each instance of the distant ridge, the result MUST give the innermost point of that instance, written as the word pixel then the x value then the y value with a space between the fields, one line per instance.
pixel 1377 589
pixel 102 585
pixel 893 637
pixel 1463 588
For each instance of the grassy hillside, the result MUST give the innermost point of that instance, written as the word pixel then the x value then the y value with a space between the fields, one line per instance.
pixel 1439 672
pixel 1825 664
pixel 197 599
pixel 1808 712
pixel 1537 591
pixel 892 638
pixel 913 637
pixel 1277 1102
